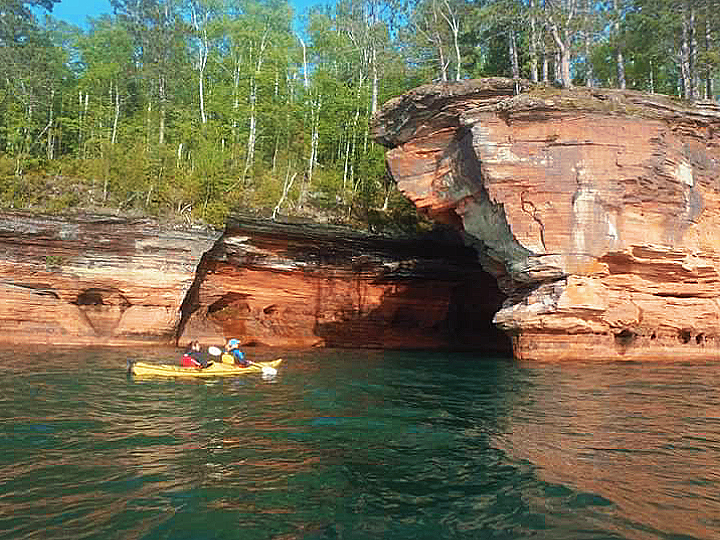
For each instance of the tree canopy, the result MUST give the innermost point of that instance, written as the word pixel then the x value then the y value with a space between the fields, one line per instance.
pixel 193 108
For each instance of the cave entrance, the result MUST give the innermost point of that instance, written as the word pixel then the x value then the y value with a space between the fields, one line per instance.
pixel 473 305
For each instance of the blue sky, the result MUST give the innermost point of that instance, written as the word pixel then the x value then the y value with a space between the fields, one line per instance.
pixel 77 11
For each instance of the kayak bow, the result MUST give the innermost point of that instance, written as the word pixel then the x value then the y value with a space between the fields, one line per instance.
pixel 216 369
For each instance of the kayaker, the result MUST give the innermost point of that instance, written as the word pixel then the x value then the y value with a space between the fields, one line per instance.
pixel 193 356
pixel 233 354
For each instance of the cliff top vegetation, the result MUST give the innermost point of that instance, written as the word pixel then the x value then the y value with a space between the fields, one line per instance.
pixel 188 110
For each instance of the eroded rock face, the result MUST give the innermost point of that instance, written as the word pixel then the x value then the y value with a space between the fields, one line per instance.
pixel 301 285
pixel 94 280
pixel 597 211
pixel 109 281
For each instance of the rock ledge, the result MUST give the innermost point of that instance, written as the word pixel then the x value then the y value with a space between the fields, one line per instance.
pixel 597 211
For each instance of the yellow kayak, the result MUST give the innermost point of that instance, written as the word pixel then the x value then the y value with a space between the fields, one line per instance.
pixel 216 369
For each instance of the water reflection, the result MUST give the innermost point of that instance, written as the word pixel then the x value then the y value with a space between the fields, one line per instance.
pixel 643 439
pixel 360 445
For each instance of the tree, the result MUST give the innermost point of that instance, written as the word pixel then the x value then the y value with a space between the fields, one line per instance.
pixel 562 19
pixel 680 56
pixel 207 34
pixel 17 21
pixel 709 53
pixel 534 40
pixel 158 31
pixel 429 25
pixel 106 53
pixel 617 17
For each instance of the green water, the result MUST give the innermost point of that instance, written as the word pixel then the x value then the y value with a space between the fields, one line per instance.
pixel 358 445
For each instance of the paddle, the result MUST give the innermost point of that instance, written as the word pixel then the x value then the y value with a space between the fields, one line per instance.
pixel 266 370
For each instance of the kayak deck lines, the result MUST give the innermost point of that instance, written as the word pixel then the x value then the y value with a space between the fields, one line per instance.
pixel 216 369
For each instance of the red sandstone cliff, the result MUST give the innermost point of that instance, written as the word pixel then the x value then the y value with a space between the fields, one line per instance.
pixel 112 281
pixel 598 211
pixel 94 279
pixel 300 285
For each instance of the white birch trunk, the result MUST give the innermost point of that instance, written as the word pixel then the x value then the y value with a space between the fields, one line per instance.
pixel 439 44
pixel 533 42
pixel 50 149
pixel 203 56
pixel 148 126
pixel 306 83
pixel 315 123
pixel 314 140
pixel 252 135
pixel 346 164
pixel 374 103
pixel 563 41
pixel 116 116
pixel 685 55
pixel 203 118
pixel 161 125
pixel 287 186
pixel 513 54
pixel 563 63
pixel 619 56
pixel 250 152
pixel 85 110
pixel 236 107
pixel 80 122
pixel 652 78
pixel 453 23
pixel 589 76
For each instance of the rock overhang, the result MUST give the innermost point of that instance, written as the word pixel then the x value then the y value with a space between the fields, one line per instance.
pixel 552 185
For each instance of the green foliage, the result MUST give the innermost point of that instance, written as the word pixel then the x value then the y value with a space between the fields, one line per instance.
pixel 63 203
pixel 14 192
pixel 112 118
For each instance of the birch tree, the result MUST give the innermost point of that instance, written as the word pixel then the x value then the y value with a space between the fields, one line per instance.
pixel 429 25
pixel 533 39
pixel 452 15
pixel 158 31
pixel 561 20
pixel 259 38
pixel 31 68
pixel 106 52
pixel 617 16
pixel 202 13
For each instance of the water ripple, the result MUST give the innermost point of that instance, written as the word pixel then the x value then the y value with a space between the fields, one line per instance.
pixel 357 445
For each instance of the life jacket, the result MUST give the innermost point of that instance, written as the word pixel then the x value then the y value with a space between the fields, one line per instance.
pixel 239 357
pixel 189 361
pixel 234 356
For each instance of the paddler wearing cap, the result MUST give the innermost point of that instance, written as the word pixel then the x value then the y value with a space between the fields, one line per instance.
pixel 233 354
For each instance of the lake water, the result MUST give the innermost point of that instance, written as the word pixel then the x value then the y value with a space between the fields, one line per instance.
pixel 358 445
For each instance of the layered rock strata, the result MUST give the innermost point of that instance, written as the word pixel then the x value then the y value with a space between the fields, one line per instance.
pixel 301 285
pixel 597 211
pixel 97 280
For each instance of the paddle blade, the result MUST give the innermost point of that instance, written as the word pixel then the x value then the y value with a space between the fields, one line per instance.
pixel 267 370
pixel 215 351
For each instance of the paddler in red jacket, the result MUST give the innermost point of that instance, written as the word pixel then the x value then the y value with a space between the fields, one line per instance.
pixel 193 356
